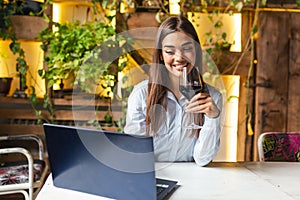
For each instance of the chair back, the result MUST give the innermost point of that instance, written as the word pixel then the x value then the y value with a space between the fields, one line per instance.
pixel 279 146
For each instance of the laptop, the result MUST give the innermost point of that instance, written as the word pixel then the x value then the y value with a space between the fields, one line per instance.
pixel 104 163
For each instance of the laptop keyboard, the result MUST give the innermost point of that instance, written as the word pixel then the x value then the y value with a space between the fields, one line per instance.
pixel 160 188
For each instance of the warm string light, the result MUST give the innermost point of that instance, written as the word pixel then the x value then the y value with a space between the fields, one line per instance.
pixel 174 7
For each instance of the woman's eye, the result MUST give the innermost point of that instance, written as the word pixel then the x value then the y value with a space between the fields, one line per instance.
pixel 187 49
pixel 169 51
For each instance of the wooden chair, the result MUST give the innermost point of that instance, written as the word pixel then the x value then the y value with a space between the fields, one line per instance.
pixel 25 171
pixel 279 146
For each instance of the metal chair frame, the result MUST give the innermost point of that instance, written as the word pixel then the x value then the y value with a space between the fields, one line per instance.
pixel 30 188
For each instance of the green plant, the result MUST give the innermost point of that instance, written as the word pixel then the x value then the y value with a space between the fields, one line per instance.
pixel 68 46
pixel 82 52
pixel 72 43
pixel 8 8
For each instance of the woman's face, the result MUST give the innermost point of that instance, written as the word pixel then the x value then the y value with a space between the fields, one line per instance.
pixel 178 51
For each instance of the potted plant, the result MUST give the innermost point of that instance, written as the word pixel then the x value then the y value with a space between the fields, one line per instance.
pixel 5 84
pixel 21 19
pixel 71 44
pixel 69 50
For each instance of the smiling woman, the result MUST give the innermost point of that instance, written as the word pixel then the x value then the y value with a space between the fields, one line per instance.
pixel 178 51
pixel 156 106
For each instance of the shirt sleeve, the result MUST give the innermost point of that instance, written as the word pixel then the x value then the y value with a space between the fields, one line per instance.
pixel 208 142
pixel 136 111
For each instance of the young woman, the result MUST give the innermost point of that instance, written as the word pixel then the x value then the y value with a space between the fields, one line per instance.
pixel 157 107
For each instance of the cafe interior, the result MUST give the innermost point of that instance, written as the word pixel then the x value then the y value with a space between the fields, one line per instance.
pixel 250 54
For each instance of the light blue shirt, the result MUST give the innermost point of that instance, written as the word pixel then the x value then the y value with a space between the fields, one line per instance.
pixel 171 141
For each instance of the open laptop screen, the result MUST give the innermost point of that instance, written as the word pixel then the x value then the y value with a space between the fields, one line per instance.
pixel 114 165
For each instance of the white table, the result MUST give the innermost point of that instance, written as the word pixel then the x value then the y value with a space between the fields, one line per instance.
pixel 240 181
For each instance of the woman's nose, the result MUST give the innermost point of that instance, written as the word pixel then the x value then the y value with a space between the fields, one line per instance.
pixel 179 56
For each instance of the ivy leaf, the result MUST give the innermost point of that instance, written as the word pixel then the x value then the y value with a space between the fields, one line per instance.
pixel 40 72
pixel 254 30
pixel 224 36
pixel 33 99
pixel 38 112
pixel 218 24
pixel 51 83
pixel 39 121
pixel 264 2
pixel 22 70
pixel 108 118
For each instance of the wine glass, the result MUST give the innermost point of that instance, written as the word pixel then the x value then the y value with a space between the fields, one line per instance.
pixel 190 84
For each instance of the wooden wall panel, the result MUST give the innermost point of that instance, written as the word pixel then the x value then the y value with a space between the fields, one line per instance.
pixel 293 117
pixel 273 68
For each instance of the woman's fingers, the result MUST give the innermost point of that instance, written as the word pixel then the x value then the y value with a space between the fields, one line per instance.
pixel 203 103
pixel 197 105
pixel 197 100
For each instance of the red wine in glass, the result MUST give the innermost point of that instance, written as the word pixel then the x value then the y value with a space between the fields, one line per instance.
pixel 190 84
pixel 190 90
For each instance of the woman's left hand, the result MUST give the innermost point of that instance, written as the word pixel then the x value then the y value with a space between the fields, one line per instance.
pixel 203 103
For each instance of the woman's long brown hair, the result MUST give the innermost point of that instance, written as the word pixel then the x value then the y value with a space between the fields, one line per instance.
pixel 159 76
